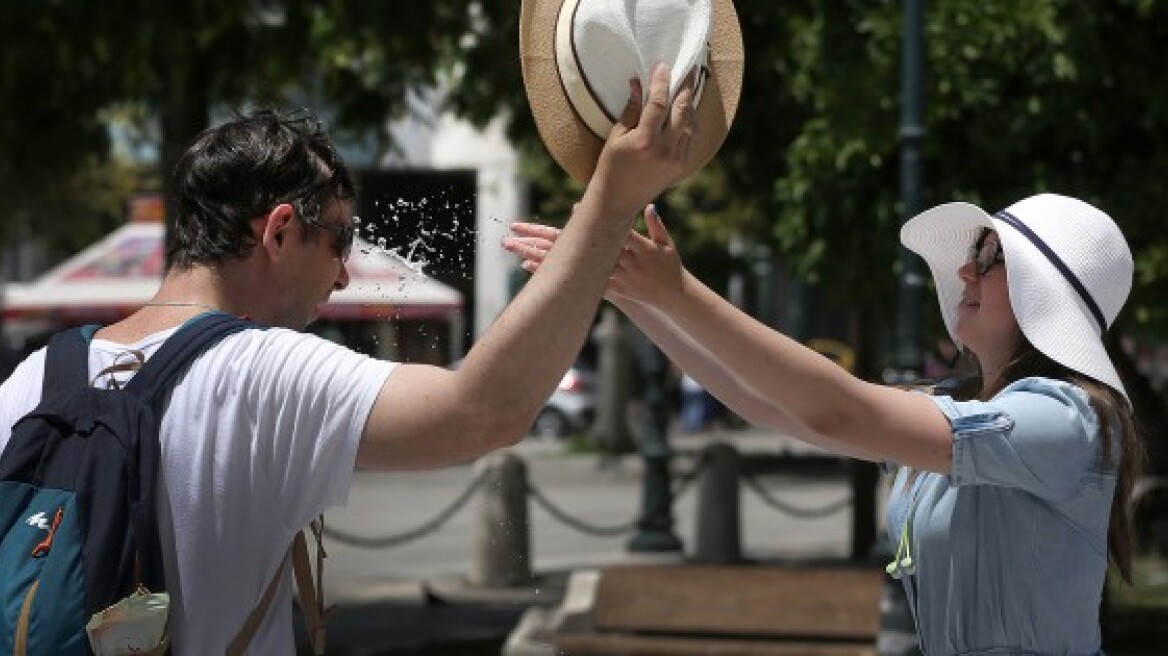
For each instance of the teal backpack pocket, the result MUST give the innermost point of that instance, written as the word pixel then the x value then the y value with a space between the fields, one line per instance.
pixel 43 588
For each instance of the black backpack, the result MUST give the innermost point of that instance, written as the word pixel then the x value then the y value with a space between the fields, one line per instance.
pixel 78 525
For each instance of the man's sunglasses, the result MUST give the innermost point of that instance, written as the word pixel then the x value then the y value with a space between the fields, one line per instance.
pixel 985 253
pixel 343 234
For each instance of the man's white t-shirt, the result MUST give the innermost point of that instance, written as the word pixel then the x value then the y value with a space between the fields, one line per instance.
pixel 260 436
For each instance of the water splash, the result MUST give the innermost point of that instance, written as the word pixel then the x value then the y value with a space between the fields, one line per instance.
pixel 430 237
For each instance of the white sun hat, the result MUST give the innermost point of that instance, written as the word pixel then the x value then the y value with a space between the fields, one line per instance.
pixel 1068 266
pixel 579 55
pixel 601 44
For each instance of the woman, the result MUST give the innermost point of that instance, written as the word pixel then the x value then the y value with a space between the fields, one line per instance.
pixel 1012 490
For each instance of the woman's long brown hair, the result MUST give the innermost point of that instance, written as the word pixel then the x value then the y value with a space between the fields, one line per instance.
pixel 1116 420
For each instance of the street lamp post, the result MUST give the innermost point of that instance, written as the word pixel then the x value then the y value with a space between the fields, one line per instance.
pixel 912 135
pixel 654 526
pixel 897 637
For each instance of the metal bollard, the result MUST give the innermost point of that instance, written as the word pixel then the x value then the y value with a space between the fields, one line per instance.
pixel 719 535
pixel 502 535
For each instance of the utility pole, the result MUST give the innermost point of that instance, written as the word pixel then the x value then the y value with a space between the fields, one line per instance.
pixel 912 135
pixel 897 635
pixel 654 526
pixel 906 363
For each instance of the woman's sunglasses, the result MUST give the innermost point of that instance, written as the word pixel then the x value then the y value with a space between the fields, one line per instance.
pixel 985 253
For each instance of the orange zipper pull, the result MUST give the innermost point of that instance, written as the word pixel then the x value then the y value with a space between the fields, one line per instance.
pixel 42 549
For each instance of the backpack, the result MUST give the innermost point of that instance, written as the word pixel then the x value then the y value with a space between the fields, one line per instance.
pixel 78 526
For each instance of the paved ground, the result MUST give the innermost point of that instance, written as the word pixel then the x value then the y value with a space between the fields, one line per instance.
pixel 415 599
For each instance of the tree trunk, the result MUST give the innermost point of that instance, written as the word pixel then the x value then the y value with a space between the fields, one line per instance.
pixel 184 105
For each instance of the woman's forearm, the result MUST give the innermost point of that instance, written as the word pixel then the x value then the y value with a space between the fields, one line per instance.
pixel 707 368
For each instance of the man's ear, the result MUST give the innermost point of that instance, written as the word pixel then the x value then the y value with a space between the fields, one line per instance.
pixel 274 228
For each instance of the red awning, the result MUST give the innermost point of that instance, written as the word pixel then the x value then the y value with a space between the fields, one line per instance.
pixel 113 277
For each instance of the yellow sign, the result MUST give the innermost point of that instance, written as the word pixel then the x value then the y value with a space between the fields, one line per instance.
pixel 840 353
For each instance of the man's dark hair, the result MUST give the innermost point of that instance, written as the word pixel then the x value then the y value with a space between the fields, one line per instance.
pixel 243 168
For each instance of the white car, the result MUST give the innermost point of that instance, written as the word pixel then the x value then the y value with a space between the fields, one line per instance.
pixel 571 407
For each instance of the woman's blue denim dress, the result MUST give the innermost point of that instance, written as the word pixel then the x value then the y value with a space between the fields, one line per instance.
pixel 1011 548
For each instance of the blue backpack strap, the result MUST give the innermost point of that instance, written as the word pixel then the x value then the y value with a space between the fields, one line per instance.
pixel 151 384
pixel 179 351
pixel 66 362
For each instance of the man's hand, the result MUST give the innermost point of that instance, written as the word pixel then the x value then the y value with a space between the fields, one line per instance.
pixel 647 148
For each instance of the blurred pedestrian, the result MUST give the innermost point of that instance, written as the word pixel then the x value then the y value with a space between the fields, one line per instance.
pixel 694 408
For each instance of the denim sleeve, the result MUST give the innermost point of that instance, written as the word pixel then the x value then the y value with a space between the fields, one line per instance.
pixel 1038 435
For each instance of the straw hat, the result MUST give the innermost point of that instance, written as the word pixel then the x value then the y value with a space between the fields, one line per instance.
pixel 579 55
pixel 1068 266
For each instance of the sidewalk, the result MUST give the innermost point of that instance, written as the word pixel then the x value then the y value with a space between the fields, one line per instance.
pixel 414 599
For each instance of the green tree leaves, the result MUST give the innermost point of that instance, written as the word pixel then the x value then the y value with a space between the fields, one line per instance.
pixel 1021 96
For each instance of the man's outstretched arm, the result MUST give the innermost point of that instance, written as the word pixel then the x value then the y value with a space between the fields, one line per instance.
pixel 428 417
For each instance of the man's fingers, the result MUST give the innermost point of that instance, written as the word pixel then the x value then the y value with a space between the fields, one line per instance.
pixel 680 150
pixel 656 111
pixel 632 113
pixel 683 119
pixel 683 113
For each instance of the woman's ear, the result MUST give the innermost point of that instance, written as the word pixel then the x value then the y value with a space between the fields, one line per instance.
pixel 274 228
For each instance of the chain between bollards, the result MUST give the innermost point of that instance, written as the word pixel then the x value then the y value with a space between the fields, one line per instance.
pixel 803 513
pixel 398 539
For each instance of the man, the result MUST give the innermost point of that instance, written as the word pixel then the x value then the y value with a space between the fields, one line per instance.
pixel 264 430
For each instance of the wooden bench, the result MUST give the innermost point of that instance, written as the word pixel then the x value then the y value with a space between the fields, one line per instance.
pixel 678 610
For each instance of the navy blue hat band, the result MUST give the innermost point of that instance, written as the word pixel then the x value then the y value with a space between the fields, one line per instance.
pixel 1014 223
